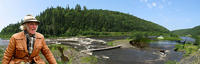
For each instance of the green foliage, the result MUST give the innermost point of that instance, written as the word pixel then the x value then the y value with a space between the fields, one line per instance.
pixel 140 40
pixel 171 62
pixel 179 47
pixel 197 39
pixel 10 29
pixel 141 37
pixel 1 53
pixel 59 62
pixel 187 48
pixel 172 38
pixel 110 43
pixel 68 21
pixel 57 50
pixel 5 36
pixel 89 59
pixel 55 46
pixel 182 32
pixel 191 31
pixel 144 34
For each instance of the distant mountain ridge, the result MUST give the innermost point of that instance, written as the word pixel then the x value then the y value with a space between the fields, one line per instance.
pixel 189 31
pixel 60 21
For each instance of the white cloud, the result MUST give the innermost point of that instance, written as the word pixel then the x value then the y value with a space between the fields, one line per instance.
pixel 153 4
pixel 156 4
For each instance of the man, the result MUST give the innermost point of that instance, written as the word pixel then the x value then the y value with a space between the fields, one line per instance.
pixel 24 47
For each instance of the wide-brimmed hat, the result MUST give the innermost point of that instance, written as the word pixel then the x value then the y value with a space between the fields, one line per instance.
pixel 29 18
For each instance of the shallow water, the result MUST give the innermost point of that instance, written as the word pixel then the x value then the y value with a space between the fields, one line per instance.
pixel 3 42
pixel 149 55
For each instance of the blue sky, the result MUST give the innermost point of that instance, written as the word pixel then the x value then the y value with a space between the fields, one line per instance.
pixel 172 14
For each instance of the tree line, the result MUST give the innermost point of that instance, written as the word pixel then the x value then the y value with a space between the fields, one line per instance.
pixel 60 21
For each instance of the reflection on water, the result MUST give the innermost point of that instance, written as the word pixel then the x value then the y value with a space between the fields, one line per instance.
pixel 163 44
pixel 127 56
pixel 3 42
pixel 187 39
pixel 150 55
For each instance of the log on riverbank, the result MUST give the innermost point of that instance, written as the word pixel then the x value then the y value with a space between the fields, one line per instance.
pixel 101 49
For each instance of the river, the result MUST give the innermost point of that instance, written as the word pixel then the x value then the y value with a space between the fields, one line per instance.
pixel 148 55
pixel 3 42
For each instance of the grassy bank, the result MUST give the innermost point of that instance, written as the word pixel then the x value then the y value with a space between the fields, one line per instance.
pixel 193 58
pixel 118 42
pixel 172 38
pixel 186 48
pixel 74 56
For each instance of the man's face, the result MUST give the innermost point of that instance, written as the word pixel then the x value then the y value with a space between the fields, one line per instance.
pixel 32 27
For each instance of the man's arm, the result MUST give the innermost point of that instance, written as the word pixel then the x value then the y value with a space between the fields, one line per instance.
pixel 47 53
pixel 9 51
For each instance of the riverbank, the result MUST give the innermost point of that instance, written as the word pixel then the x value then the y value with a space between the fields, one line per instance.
pixel 149 55
pixel 193 58
pixel 71 47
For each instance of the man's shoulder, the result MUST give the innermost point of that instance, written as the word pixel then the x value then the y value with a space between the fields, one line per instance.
pixel 18 35
pixel 39 35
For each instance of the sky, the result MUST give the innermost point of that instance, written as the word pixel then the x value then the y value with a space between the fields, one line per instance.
pixel 171 14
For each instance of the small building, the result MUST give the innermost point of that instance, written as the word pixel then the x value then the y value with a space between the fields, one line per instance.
pixel 160 37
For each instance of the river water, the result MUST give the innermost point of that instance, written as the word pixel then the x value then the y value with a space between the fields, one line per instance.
pixel 187 39
pixel 148 55
pixel 3 42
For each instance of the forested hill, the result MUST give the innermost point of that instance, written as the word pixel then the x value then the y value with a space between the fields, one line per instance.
pixel 191 31
pixel 73 21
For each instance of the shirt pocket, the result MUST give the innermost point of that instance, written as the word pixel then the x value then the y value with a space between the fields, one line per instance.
pixel 20 52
